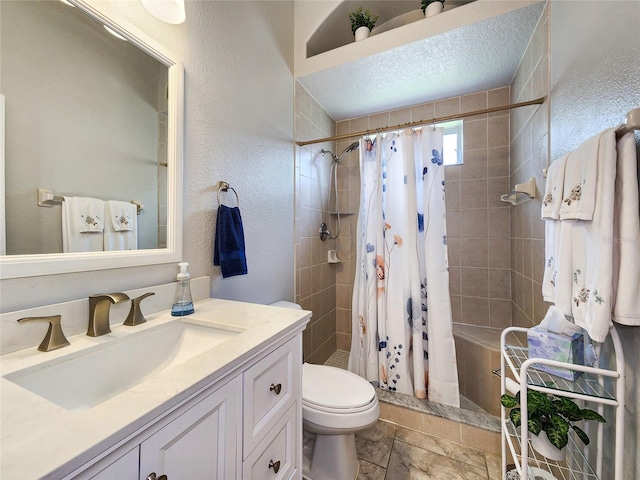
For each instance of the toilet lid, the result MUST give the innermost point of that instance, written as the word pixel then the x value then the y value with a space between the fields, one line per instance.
pixel 333 388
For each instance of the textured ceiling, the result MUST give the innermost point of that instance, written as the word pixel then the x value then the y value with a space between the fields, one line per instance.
pixel 480 56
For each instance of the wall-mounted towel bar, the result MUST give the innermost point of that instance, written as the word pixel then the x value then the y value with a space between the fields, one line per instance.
pixel 46 198
pixel 521 192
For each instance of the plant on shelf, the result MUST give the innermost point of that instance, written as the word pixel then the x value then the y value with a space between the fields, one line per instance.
pixel 551 414
pixel 362 18
pixel 426 3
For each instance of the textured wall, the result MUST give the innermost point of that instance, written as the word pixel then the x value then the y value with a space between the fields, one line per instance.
pixel 238 127
pixel 595 81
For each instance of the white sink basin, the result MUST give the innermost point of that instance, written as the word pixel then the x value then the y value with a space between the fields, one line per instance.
pixel 86 378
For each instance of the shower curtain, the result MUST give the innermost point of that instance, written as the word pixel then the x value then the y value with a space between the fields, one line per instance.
pixel 402 337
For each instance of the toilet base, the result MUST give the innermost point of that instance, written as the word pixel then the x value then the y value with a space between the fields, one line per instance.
pixel 332 457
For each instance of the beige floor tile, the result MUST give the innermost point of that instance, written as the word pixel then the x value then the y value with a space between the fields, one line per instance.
pixel 369 471
pixel 409 462
pixel 374 444
pixel 494 466
pixel 451 450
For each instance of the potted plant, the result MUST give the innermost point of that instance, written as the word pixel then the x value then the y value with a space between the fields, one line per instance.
pixel 362 21
pixel 551 415
pixel 432 7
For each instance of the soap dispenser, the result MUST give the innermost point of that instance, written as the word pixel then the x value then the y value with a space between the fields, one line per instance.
pixel 182 303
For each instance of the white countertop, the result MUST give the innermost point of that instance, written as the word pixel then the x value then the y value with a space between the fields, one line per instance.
pixel 41 439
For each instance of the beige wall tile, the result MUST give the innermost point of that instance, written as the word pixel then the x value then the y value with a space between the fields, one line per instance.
pixel 481 439
pixel 447 107
pixel 473 223
pixel 473 193
pixel 500 313
pixel 500 253
pixel 474 252
pixel 475 281
pixel 475 164
pixel 405 417
pixel 441 427
pixel 475 134
pixel 475 311
pixel 500 283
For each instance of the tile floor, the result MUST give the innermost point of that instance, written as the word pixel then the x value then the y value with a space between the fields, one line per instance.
pixel 388 451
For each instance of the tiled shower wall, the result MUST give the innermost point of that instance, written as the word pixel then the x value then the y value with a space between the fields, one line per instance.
pixel 529 156
pixel 478 223
pixel 315 278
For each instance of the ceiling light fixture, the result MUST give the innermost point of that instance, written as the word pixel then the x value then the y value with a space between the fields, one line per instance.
pixel 169 11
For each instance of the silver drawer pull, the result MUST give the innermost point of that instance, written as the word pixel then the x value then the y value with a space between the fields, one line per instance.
pixel 152 476
pixel 276 388
pixel 274 465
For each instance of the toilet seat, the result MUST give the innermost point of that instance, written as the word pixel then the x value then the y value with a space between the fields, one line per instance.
pixel 333 398
pixel 334 389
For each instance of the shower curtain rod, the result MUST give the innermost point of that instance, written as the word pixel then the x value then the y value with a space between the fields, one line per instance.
pixel 364 133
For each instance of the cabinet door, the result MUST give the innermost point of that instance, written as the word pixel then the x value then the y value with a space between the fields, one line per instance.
pixel 201 443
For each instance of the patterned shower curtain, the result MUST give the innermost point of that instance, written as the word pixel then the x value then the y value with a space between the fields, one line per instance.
pixel 402 337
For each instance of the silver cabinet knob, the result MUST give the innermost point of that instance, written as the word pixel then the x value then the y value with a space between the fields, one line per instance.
pixel 276 388
pixel 274 465
pixel 152 476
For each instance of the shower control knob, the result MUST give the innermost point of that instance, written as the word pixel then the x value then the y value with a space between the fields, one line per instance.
pixel 276 388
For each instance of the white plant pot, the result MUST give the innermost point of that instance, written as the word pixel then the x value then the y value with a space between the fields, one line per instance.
pixel 363 32
pixel 544 447
pixel 433 9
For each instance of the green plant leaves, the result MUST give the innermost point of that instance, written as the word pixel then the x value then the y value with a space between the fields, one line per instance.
pixel 508 401
pixel 557 430
pixel 581 435
pixel 591 415
pixel 515 416
pixel 551 414
pixel 568 409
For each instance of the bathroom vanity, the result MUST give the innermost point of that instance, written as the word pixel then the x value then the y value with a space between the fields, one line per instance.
pixel 216 394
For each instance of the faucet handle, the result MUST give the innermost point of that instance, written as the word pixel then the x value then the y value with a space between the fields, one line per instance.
pixel 112 297
pixel 135 316
pixel 54 338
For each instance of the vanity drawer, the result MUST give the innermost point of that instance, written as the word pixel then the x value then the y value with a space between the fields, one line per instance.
pixel 269 388
pixel 275 456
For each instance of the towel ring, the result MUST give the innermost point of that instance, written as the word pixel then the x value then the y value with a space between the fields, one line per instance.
pixel 225 187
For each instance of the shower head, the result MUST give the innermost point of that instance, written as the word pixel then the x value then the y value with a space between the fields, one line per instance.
pixel 336 158
pixel 350 148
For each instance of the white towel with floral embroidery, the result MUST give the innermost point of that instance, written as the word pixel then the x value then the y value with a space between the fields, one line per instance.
pixel 580 179
pixel 82 224
pixel 626 247
pixel 592 248
pixel 554 188
pixel 550 214
pixel 121 227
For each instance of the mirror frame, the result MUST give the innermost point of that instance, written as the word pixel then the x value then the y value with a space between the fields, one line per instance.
pixel 17 266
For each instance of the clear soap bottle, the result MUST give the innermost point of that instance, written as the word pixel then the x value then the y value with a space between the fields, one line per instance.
pixel 182 303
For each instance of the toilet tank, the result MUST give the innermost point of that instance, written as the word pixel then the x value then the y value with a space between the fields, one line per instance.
pixel 285 304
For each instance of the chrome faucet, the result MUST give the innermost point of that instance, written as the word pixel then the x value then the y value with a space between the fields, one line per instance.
pixel 99 306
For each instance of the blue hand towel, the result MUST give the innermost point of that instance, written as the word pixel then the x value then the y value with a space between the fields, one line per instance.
pixel 228 250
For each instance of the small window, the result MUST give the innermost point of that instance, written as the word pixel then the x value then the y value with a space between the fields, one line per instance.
pixel 452 147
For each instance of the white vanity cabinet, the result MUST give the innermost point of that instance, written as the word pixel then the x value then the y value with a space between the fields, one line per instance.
pixel 247 427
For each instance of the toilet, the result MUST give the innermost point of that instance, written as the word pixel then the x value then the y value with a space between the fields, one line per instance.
pixel 336 404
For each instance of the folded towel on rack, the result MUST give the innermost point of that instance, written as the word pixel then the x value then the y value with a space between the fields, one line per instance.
pixel 581 175
pixel 554 187
pixel 626 246
pixel 89 214
pixel 121 227
pixel 82 224
pixel 592 248
pixel 229 248
pixel 122 215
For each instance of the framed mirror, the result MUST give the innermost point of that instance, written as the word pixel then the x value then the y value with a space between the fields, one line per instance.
pixel 92 108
